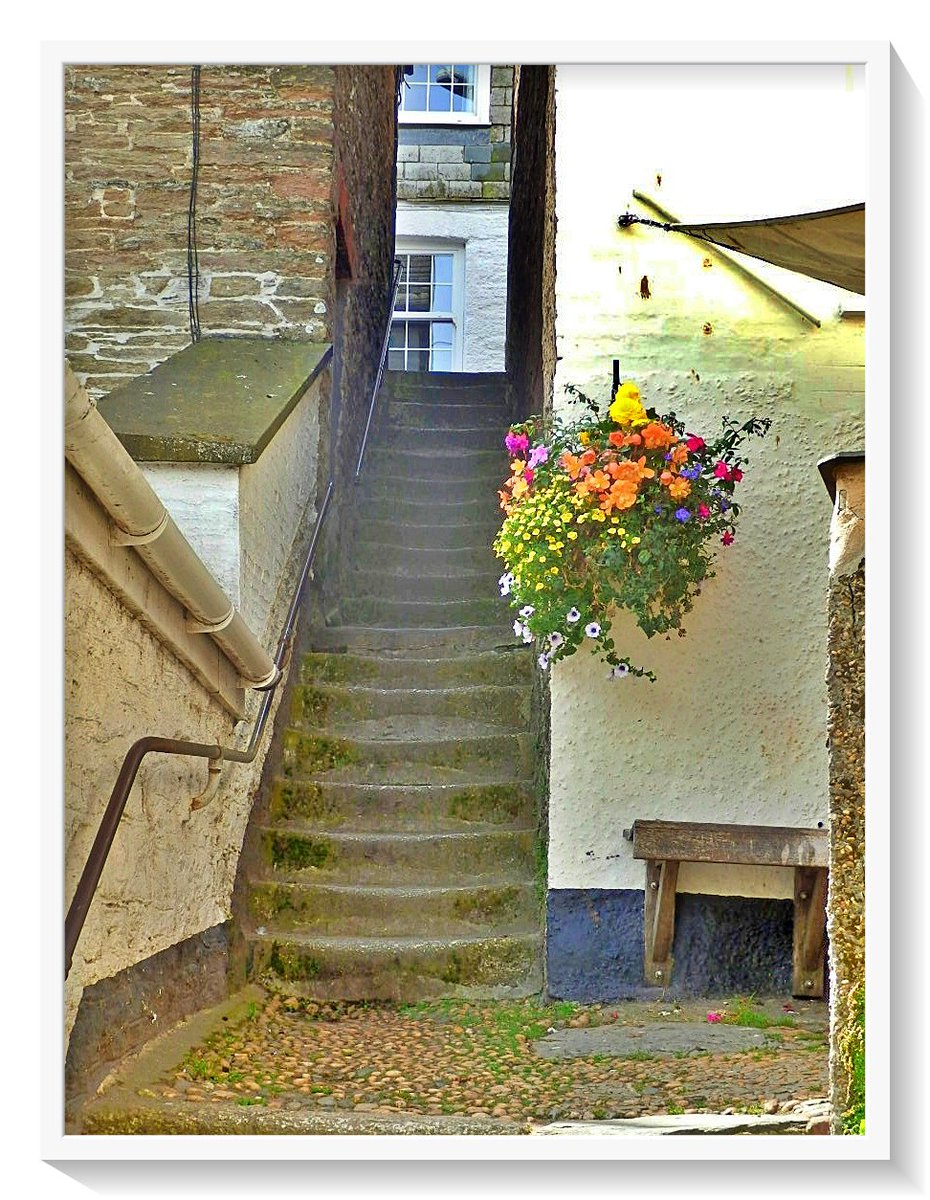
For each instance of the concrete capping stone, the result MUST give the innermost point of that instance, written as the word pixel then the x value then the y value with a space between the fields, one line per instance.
pixel 220 400
pixel 442 135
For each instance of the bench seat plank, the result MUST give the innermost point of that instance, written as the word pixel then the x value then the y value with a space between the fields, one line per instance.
pixel 746 845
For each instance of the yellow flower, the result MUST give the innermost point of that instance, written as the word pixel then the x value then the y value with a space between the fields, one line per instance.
pixel 584 438
pixel 572 535
pixel 553 570
pixel 627 408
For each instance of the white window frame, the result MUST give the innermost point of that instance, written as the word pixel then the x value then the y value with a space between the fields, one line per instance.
pixel 414 245
pixel 481 115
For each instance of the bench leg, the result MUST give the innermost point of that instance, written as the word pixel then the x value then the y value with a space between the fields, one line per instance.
pixel 659 922
pixel 810 931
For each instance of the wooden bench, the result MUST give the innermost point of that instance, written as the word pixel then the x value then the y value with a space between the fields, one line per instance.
pixel 665 844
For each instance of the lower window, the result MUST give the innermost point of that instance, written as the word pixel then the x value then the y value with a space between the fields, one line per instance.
pixel 425 331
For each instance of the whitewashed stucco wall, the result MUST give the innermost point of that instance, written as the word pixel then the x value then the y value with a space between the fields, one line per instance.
pixel 734 730
pixel 482 228
pixel 123 683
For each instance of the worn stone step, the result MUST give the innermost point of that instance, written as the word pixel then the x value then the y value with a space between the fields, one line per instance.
pixel 396 772
pixel 480 437
pixel 297 852
pixel 313 706
pixel 440 387
pixel 500 907
pixel 436 640
pixel 383 485
pixel 419 561
pixel 439 465
pixel 480 518
pixel 441 414
pixel 400 969
pixel 505 667
pixel 388 533
pixel 439 741
pixel 402 583
pixel 422 806
pixel 358 610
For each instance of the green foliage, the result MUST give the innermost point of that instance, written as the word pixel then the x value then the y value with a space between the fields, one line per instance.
pixel 854 1054
pixel 613 511
pixel 743 1011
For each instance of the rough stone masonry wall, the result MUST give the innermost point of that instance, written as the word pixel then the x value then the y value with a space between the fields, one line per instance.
pixel 531 258
pixel 846 905
pixel 460 162
pixel 265 234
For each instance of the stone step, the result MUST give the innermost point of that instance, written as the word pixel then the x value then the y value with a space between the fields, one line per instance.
pixel 440 387
pixel 400 583
pixel 441 414
pixel 430 535
pixel 478 638
pixel 297 852
pixel 502 907
pixel 443 742
pixel 396 772
pixel 419 561
pixel 400 969
pixel 359 610
pixel 439 465
pixel 424 806
pixel 481 516
pixel 315 705
pixel 403 437
pixel 402 669
pixel 381 485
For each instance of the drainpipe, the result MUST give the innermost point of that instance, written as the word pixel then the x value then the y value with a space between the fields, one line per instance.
pixel 140 520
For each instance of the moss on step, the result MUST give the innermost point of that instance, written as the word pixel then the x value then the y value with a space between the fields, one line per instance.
pixel 488 905
pixel 493 961
pixel 336 668
pixel 298 852
pixel 496 803
pixel 315 752
pixel 310 704
pixel 291 964
pixel 306 800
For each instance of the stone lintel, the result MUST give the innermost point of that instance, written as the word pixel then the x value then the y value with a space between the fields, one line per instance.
pixel 220 400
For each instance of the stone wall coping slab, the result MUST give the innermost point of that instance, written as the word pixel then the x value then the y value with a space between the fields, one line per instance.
pixel 220 400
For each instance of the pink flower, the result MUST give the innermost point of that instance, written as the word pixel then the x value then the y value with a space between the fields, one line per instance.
pixel 539 454
pixel 703 512
pixel 714 1017
pixel 528 475
pixel 695 443
pixel 516 443
pixel 726 537
pixel 736 474
pixel 721 470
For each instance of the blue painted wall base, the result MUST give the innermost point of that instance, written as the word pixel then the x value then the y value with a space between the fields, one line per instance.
pixel 723 945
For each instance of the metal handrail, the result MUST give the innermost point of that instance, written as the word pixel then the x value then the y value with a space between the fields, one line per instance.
pixel 380 374
pixel 109 823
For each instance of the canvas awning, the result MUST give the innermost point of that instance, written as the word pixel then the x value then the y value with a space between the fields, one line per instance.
pixel 827 245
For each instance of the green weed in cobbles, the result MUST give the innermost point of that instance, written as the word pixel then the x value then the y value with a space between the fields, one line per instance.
pixel 744 1011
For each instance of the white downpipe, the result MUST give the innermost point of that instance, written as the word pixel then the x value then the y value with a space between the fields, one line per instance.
pixel 142 522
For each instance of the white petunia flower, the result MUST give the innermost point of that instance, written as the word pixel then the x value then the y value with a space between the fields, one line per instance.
pixel 517 629
pixel 505 583
pixel 620 672
pixel 527 611
pixel 572 616
pixel 555 640
pixel 543 661
pixel 528 634
pixel 592 630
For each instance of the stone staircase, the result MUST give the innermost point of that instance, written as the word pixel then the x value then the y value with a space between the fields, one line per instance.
pixel 396 858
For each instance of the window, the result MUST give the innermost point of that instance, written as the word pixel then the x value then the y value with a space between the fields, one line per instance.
pixel 426 329
pixel 450 93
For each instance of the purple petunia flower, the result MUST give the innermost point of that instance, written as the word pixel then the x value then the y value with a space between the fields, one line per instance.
pixel 539 454
pixel 516 443
pixel 682 514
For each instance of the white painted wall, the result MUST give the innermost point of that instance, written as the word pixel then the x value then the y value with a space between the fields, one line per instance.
pixel 734 730
pixel 482 228
pixel 122 683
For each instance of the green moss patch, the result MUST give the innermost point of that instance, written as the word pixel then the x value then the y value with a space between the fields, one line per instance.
pixel 305 754
pixel 297 852
pixel 495 804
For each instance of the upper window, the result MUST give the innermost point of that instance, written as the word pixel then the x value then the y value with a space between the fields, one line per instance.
pixel 446 94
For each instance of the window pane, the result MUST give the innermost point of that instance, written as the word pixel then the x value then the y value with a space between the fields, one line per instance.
pixel 415 98
pixel 465 73
pixel 440 99
pixel 395 360
pixel 442 268
pixel 442 360
pixel 397 335
pixel 442 334
pixel 438 73
pixel 419 298
pixel 418 73
pixel 442 298
pixel 418 334
pixel 421 268
pixel 418 360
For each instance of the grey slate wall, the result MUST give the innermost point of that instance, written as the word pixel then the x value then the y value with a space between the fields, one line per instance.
pixel 459 162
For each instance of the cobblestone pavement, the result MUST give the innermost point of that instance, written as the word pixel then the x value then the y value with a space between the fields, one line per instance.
pixel 477 1059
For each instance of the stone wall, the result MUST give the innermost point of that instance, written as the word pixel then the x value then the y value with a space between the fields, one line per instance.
pixel 846 902
pixel 264 227
pixel 459 162
pixel 531 257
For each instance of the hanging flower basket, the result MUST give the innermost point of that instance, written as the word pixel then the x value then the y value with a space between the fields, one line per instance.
pixel 617 511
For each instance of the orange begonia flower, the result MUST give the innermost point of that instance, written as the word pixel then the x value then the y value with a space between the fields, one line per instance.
pixel 619 438
pixel 679 489
pixel 680 455
pixel 657 436
pixel 666 478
